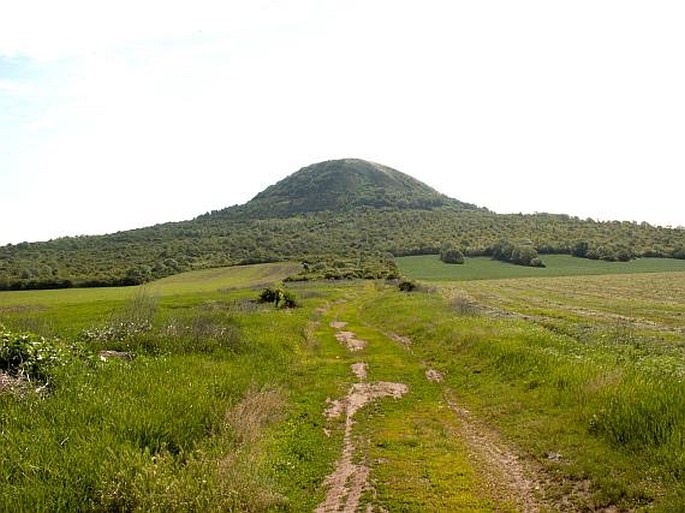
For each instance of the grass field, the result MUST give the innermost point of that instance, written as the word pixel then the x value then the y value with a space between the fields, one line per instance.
pixel 585 374
pixel 181 427
pixel 68 311
pixel 431 268
pixel 557 394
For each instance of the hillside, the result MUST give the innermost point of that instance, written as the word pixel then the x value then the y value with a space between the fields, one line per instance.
pixel 344 184
pixel 327 214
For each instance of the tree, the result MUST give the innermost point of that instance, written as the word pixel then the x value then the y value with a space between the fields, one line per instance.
pixel 451 255
pixel 516 253
pixel 580 249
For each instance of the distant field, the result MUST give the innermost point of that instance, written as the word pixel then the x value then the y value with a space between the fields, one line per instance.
pixel 430 268
pixel 206 280
pixel 47 311
pixel 209 280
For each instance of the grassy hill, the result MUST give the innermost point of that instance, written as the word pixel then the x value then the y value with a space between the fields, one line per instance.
pixel 338 185
pixel 345 218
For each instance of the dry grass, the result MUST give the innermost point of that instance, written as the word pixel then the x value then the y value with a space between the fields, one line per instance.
pixel 249 417
pixel 239 478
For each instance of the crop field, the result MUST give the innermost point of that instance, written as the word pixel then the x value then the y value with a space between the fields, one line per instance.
pixel 431 268
pixel 523 394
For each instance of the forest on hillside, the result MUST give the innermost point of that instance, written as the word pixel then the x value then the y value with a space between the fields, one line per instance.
pixel 362 241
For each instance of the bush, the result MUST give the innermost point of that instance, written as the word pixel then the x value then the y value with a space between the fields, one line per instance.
pixel 279 296
pixel 452 255
pixel 519 253
pixel 29 356
pixel 407 285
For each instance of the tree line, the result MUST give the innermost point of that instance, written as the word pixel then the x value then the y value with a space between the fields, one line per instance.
pixel 335 244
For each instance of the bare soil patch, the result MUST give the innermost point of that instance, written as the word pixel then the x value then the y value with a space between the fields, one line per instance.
pixel 434 376
pixel 350 340
pixel 19 386
pixel 349 480
pixel 359 370
pixel 114 355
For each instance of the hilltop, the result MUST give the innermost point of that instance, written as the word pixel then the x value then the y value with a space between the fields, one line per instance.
pixel 341 185
pixel 346 218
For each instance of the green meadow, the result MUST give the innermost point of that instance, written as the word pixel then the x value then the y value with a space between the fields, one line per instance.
pixel 569 381
pixel 431 268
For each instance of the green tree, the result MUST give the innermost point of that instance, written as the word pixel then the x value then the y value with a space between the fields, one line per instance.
pixel 452 255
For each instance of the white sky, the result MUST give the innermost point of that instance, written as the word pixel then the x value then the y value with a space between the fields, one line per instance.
pixel 116 115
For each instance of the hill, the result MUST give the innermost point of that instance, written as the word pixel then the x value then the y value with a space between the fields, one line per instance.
pixel 344 218
pixel 342 185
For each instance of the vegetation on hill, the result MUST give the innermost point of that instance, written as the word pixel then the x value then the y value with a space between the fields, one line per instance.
pixel 407 218
pixel 450 254
pixel 519 253
pixel 338 185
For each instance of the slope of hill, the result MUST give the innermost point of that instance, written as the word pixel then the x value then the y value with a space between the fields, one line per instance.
pixel 332 212
pixel 340 185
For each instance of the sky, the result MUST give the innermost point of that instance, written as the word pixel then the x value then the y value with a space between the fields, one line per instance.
pixel 116 115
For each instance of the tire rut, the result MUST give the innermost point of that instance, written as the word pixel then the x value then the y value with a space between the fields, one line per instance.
pixel 349 480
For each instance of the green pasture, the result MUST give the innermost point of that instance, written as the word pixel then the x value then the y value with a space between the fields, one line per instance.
pixel 431 268
pixel 66 311
pixel 221 408
pixel 185 425
pixel 591 390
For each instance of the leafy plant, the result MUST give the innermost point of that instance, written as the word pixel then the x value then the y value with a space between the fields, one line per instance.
pixel 29 356
pixel 279 296
pixel 451 255
pixel 407 285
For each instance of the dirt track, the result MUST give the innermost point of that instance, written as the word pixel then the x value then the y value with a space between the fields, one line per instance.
pixel 349 480
pixel 505 477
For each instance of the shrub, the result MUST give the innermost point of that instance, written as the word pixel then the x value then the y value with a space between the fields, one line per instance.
pixel 407 285
pixel 452 255
pixel 279 296
pixel 519 253
pixel 29 356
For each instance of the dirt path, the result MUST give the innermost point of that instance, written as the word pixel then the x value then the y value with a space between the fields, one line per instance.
pixel 506 477
pixel 501 475
pixel 347 338
pixel 349 480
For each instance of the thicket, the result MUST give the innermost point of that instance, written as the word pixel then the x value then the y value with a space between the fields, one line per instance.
pixel 369 267
pixel 279 296
pixel 362 238
pixel 519 253
pixel 450 254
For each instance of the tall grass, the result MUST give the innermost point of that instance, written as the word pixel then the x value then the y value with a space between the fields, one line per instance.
pixel 139 327
pixel 177 428
pixel 642 412
pixel 617 415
